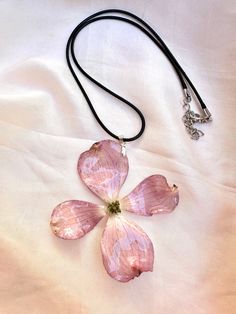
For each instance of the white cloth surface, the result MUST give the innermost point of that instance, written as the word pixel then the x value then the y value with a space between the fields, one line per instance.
pixel 45 124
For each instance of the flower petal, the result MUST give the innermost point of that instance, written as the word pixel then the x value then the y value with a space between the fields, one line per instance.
pixel 71 220
pixel 152 196
pixel 126 249
pixel 104 169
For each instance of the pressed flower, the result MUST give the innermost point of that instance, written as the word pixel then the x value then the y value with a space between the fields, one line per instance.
pixel 127 251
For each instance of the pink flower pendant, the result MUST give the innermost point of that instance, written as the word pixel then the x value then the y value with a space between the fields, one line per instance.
pixel 127 251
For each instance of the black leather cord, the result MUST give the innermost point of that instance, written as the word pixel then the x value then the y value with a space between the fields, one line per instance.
pixel 147 30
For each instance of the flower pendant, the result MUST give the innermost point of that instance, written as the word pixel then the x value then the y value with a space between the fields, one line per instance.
pixel 126 249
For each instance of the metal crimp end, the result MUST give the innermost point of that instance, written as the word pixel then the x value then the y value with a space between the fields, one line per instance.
pixel 207 114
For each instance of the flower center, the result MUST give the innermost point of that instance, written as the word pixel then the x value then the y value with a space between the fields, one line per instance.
pixel 114 207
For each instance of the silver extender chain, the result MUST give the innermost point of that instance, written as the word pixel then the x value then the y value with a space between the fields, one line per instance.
pixel 190 118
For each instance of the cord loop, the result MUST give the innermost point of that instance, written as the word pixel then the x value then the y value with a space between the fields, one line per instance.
pixel 147 30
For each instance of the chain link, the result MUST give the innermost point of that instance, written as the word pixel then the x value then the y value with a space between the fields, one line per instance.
pixel 190 118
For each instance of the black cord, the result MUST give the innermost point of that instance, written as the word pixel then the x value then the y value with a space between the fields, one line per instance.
pixel 147 30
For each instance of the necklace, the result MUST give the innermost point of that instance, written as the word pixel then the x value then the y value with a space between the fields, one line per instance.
pixel 126 249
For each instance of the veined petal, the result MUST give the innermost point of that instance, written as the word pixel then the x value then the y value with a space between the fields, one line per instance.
pixel 152 196
pixel 104 169
pixel 126 249
pixel 71 220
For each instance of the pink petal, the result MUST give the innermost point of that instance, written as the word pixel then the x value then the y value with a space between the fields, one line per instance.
pixel 152 196
pixel 104 169
pixel 126 249
pixel 71 220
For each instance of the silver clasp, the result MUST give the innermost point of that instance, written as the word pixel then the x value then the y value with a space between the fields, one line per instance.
pixel 187 95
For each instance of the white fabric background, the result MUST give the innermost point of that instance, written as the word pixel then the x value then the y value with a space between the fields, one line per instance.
pixel 46 124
